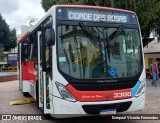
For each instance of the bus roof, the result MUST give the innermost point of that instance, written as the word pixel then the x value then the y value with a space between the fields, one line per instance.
pixel 23 37
pixel 94 7
pixel 71 6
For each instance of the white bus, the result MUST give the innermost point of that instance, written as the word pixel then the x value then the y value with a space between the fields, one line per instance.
pixel 84 60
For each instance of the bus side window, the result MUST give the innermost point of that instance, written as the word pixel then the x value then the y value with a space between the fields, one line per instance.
pixel 48 59
pixel 22 52
pixel 35 48
pixel 30 48
pixel 25 54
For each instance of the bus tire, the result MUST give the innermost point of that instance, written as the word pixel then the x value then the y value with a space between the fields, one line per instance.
pixel 47 116
pixel 26 94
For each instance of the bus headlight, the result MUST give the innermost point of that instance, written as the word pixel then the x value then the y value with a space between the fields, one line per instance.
pixel 141 89
pixel 65 94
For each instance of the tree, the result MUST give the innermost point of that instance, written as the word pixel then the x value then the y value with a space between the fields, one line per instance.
pixel 1 48
pixel 148 11
pixel 46 4
pixel 11 41
pixel 8 38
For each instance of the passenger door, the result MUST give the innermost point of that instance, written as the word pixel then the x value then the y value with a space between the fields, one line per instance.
pixel 44 73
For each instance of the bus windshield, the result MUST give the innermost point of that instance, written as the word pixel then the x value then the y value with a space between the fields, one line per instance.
pixel 87 52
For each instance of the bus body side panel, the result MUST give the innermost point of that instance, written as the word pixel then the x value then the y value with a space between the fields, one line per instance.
pixel 25 82
pixel 32 72
pixel 24 71
pixel 29 77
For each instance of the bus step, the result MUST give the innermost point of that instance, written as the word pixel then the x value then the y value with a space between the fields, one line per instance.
pixel 22 101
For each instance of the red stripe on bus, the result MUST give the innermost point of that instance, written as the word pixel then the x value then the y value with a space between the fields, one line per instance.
pixel 23 37
pixel 84 96
pixel 29 72
pixel 94 7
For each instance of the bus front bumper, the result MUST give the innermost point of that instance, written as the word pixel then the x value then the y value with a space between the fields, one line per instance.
pixel 65 109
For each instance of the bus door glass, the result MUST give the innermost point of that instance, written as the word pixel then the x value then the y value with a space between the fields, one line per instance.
pixel 45 69
pixel 40 75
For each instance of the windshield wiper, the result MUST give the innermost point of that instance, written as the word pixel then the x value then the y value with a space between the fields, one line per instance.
pixel 108 47
pixel 119 30
pixel 89 34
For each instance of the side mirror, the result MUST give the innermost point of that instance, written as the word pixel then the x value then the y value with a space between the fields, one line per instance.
pixel 50 37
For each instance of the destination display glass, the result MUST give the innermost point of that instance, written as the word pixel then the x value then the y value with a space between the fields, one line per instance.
pixel 95 15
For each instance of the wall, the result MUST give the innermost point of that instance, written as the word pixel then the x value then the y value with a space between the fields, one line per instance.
pixel 148 58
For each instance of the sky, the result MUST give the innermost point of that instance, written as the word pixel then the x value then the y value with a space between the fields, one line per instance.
pixel 18 12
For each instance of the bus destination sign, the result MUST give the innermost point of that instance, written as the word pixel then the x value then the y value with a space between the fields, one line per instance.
pixel 95 15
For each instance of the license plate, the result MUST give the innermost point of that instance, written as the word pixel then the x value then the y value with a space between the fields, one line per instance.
pixel 108 112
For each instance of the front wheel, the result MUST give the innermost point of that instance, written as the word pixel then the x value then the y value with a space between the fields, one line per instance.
pixel 47 116
pixel 26 94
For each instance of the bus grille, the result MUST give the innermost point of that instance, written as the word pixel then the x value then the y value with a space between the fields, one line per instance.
pixel 104 87
pixel 95 109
